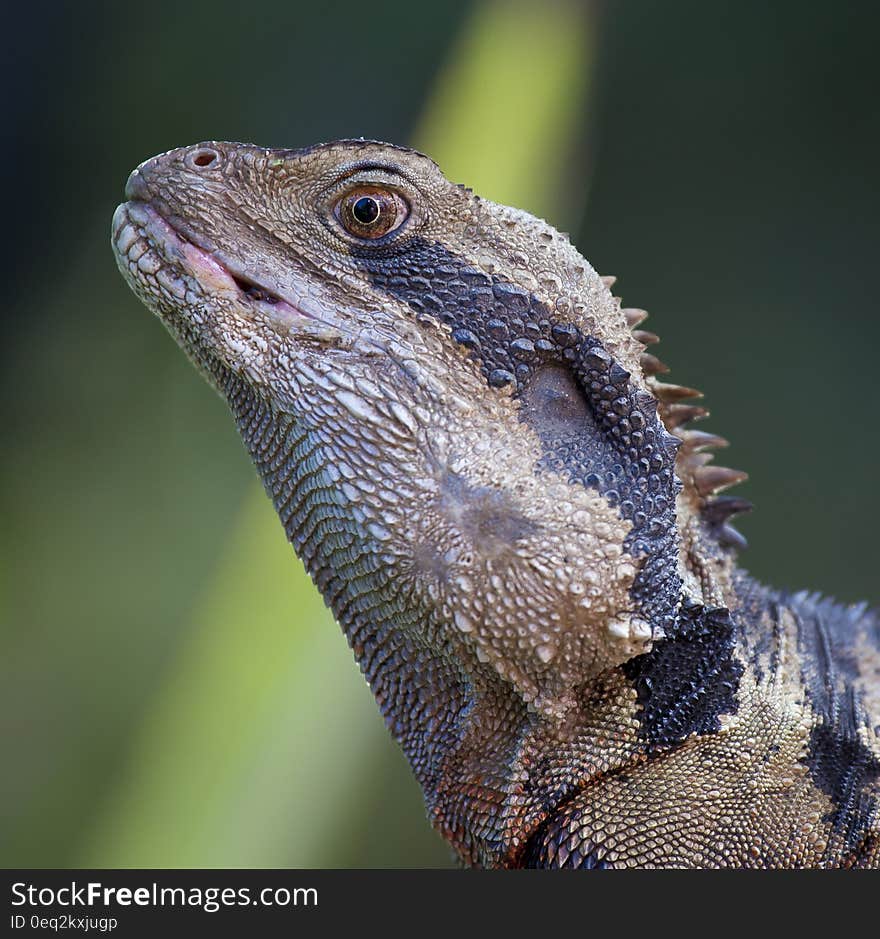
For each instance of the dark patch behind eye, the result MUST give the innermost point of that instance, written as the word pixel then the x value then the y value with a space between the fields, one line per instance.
pixel 620 449
pixel 600 430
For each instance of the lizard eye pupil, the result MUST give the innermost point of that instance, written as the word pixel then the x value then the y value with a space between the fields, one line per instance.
pixel 366 210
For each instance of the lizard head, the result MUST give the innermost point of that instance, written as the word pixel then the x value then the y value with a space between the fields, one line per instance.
pixel 449 408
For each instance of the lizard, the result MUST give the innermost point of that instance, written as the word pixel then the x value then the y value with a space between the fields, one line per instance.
pixel 511 516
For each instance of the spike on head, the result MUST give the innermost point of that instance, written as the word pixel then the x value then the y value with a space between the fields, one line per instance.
pixel 700 479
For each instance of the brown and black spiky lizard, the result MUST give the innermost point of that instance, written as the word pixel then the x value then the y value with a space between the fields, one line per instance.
pixel 470 449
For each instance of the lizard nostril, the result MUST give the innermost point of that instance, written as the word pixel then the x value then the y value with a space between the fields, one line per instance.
pixel 203 157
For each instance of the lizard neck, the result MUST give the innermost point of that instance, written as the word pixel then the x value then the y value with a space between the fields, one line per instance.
pixel 417 677
pixel 476 748
pixel 479 751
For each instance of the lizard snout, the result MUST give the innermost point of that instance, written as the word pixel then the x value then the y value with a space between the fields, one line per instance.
pixel 137 188
pixel 200 158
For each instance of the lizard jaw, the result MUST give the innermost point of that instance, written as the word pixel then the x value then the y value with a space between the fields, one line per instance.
pixel 217 277
pixel 138 224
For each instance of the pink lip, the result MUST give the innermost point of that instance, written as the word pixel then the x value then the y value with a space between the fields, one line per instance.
pixel 214 275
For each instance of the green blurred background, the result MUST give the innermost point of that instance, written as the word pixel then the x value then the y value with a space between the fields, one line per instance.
pixel 172 690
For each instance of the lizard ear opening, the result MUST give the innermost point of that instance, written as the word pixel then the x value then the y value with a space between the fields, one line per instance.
pixel 554 404
pixel 574 441
pixel 600 429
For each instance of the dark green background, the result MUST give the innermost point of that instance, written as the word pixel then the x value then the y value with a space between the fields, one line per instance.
pixel 731 158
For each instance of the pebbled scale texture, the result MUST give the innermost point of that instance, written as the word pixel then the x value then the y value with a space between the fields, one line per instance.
pixel 515 523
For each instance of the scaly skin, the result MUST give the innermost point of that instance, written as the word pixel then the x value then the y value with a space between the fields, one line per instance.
pixel 468 447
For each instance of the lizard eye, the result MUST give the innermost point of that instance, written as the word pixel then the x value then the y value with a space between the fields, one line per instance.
pixel 371 212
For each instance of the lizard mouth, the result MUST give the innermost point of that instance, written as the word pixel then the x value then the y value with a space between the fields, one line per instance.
pixel 254 291
pixel 148 245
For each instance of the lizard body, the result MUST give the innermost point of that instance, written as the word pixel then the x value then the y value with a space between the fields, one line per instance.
pixel 471 451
